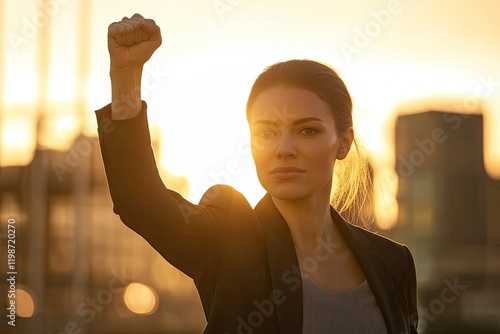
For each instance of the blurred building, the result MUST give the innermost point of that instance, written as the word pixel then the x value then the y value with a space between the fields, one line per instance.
pixel 79 269
pixel 449 214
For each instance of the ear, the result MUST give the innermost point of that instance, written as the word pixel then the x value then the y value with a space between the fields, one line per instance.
pixel 346 139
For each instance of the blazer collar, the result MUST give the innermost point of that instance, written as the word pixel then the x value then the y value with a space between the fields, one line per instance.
pixel 285 272
pixel 376 270
pixel 284 266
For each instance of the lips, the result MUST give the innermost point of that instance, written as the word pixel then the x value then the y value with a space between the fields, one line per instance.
pixel 286 173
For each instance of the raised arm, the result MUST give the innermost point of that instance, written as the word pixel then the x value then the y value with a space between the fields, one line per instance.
pixel 180 231
pixel 131 42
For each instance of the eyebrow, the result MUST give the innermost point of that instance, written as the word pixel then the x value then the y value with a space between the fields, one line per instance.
pixel 298 121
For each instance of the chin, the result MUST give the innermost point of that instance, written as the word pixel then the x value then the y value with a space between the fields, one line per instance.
pixel 296 190
pixel 288 192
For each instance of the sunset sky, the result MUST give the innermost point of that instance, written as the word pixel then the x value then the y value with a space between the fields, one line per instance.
pixel 395 56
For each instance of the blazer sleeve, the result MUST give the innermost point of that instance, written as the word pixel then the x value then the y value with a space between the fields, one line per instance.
pixel 412 294
pixel 180 231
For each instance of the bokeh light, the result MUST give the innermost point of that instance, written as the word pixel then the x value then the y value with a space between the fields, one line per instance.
pixel 140 298
pixel 25 305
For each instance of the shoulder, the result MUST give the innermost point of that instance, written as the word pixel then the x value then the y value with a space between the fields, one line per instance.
pixel 224 197
pixel 229 209
pixel 379 240
pixel 394 252
pixel 372 248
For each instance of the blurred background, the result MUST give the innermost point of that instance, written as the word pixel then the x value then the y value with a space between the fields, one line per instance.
pixel 425 79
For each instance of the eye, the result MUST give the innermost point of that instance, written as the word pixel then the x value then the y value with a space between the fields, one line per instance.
pixel 308 131
pixel 265 134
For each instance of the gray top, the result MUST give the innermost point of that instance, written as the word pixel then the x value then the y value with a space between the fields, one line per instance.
pixel 349 312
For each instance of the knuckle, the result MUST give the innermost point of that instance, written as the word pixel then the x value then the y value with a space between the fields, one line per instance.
pixel 127 28
pixel 113 26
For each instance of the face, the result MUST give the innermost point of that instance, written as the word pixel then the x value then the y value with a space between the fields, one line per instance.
pixel 294 142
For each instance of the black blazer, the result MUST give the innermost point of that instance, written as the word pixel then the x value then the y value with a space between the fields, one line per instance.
pixel 241 259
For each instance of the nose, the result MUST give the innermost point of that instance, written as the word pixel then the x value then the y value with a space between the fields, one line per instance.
pixel 286 148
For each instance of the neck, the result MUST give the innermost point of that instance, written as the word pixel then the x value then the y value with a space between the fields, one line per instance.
pixel 309 219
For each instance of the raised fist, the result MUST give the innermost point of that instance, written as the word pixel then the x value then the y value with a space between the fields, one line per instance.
pixel 132 41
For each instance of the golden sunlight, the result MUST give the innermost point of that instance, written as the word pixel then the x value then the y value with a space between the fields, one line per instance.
pixel 60 127
pixel 62 84
pixel 203 119
pixel 17 142
pixel 21 87
pixel 492 143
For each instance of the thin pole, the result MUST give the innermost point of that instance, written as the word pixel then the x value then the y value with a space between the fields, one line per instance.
pixel 82 174
pixel 38 185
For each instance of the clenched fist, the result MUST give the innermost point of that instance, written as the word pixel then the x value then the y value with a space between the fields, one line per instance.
pixel 132 41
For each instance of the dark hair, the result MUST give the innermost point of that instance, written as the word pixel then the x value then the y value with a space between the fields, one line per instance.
pixel 351 191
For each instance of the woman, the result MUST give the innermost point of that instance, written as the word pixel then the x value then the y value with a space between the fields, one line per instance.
pixel 292 264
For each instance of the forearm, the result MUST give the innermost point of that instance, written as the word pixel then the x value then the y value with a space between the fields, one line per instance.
pixel 125 93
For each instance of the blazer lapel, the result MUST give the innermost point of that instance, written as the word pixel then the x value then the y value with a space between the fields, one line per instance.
pixel 283 265
pixel 376 270
pixel 285 272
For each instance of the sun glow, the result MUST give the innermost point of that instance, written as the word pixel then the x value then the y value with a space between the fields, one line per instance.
pixel 196 90
pixel 62 84
pixel 17 142
pixel 21 86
